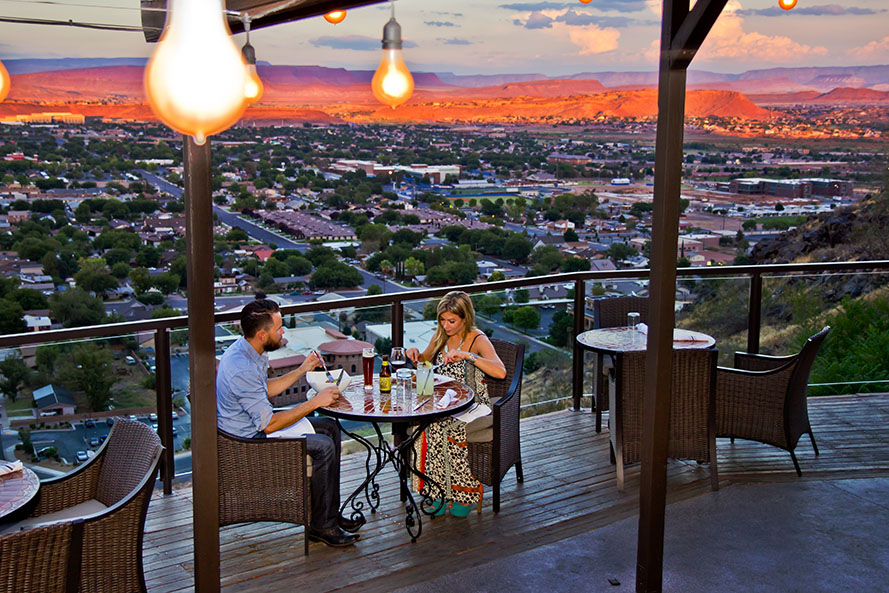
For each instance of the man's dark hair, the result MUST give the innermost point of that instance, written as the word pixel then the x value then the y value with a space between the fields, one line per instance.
pixel 257 315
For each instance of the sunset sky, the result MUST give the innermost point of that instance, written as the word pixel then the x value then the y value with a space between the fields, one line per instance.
pixel 503 36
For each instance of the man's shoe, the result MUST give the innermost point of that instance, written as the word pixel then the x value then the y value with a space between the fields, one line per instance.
pixel 334 537
pixel 351 525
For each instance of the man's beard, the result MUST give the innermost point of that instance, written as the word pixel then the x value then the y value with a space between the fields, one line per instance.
pixel 270 346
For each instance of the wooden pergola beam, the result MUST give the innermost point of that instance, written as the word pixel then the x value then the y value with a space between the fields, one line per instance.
pixel 682 33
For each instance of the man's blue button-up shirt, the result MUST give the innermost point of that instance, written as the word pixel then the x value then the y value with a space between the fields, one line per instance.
pixel 242 390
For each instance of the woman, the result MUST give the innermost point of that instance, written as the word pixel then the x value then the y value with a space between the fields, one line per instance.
pixel 465 354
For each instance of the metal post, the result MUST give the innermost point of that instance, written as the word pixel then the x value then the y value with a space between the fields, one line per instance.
pixel 682 33
pixel 754 313
pixel 202 363
pixel 578 360
pixel 398 323
pixel 164 391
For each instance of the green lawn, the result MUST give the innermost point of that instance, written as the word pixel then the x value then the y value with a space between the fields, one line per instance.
pixel 22 406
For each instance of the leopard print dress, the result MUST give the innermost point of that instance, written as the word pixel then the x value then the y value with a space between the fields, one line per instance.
pixel 441 452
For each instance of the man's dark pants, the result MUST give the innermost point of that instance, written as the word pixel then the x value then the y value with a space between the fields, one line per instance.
pixel 324 449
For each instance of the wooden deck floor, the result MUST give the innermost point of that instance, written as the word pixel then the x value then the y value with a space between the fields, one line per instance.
pixel 569 489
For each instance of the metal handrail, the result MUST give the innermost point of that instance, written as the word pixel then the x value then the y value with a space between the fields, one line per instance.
pixel 163 327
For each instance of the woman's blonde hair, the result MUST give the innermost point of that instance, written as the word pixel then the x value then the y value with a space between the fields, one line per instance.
pixel 458 303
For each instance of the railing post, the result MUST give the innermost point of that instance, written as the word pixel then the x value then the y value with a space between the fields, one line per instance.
pixel 397 324
pixel 754 315
pixel 164 391
pixel 577 360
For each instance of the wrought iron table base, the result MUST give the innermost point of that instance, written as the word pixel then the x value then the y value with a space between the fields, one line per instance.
pixel 399 455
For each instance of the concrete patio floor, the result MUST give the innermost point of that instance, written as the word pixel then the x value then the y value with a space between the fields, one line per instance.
pixel 806 536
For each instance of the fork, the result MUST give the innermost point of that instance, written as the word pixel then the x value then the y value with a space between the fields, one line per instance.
pixel 324 366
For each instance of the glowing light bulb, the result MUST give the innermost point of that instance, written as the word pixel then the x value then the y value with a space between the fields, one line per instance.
pixel 196 79
pixel 786 4
pixel 5 83
pixel 253 87
pixel 392 82
pixel 335 17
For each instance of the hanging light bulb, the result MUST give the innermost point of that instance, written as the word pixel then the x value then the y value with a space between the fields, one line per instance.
pixel 253 88
pixel 392 82
pixel 786 4
pixel 5 83
pixel 196 78
pixel 335 17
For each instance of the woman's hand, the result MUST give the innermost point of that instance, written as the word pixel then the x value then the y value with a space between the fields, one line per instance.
pixel 413 354
pixel 455 356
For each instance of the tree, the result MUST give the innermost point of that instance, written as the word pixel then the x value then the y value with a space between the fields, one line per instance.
pixel 166 282
pixel 430 309
pixel 619 252
pixel 517 248
pixel 560 328
pixel 76 308
pixel 298 265
pixel 413 267
pixel 29 299
pixel 521 296
pixel 140 279
pixel 496 276
pixel 335 274
pixel 570 236
pixel 526 317
pixel 13 372
pixel 162 312
pixel 575 264
pixel 374 289
pixel 11 317
pixel 89 370
pixel 489 304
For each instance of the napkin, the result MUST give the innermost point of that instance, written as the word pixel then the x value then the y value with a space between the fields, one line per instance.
pixel 8 467
pixel 295 430
pixel 473 413
pixel 445 400
pixel 642 328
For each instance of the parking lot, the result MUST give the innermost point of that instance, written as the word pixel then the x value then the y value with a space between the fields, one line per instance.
pixel 86 437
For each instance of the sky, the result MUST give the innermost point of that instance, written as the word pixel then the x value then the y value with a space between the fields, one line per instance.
pixel 497 36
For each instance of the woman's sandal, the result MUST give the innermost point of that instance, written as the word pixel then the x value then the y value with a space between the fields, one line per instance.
pixel 441 509
pixel 460 510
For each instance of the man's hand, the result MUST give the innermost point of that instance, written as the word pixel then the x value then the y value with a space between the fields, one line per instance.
pixel 413 354
pixel 326 396
pixel 312 362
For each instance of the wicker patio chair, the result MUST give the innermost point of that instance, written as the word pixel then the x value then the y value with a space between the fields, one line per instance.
pixel 85 533
pixel 764 398
pixel 263 480
pixel 611 312
pixel 692 412
pixel 493 440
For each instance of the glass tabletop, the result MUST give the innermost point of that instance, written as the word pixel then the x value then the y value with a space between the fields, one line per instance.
pixel 625 339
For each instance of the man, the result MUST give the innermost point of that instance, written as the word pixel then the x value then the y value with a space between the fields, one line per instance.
pixel 243 409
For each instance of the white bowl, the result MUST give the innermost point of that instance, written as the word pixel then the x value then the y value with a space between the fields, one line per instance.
pixel 318 379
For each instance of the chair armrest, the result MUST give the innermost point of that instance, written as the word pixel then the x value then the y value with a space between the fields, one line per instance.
pixel 760 362
pixel 73 488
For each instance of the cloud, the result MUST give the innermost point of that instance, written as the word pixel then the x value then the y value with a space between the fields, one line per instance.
pixel 352 42
pixel 440 24
pixel 820 10
pixel 535 6
pixel 578 19
pixel 591 39
pixel 445 13
pixel 874 49
pixel 729 40
pixel 536 20
pixel 454 41
pixel 623 6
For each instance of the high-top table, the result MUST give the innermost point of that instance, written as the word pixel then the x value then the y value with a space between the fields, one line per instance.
pixel 17 489
pixel 360 405
pixel 616 340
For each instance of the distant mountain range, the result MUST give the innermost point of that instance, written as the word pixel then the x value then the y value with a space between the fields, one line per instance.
pixel 113 87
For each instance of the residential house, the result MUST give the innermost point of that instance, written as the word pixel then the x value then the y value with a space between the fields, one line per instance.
pixel 53 400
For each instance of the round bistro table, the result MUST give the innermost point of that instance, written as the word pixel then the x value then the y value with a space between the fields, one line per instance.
pixel 360 405
pixel 17 489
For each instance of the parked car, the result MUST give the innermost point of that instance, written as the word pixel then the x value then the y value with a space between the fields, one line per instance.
pixel 82 456
pixel 89 423
pixel 94 441
pixel 102 438
pixel 152 417
pixel 130 360
pixel 175 415
pixel 175 432
pixel 109 421
pixel 133 417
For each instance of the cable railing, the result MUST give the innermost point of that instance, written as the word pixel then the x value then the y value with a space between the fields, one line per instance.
pixel 161 328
